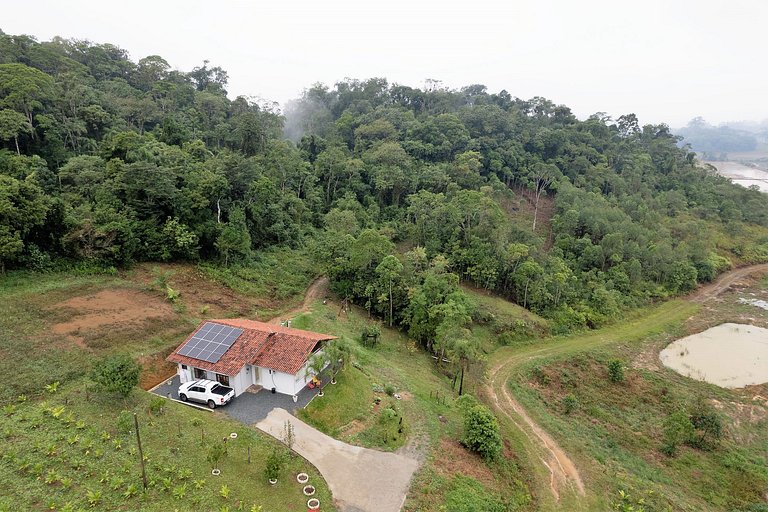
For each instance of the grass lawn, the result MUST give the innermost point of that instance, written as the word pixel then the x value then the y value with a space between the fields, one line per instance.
pixel 350 399
pixel 60 452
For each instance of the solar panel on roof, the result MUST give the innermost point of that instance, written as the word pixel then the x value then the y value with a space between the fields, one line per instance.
pixel 210 342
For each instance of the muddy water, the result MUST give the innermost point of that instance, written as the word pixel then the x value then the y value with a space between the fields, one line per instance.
pixel 742 174
pixel 728 355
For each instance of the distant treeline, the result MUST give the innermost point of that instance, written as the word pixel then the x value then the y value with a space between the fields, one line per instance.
pixel 706 138
pixel 398 192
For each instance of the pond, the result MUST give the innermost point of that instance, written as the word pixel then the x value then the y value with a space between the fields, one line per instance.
pixel 728 355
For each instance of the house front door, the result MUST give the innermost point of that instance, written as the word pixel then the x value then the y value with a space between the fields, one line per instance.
pixel 255 375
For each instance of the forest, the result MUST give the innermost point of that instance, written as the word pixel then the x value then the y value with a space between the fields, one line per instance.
pixel 712 140
pixel 398 193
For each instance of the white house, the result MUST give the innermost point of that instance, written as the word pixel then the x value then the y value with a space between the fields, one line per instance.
pixel 243 353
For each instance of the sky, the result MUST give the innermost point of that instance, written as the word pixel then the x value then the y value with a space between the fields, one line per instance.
pixel 665 60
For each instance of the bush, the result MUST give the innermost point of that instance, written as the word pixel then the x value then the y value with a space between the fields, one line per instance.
pixel 369 337
pixel 275 462
pixel 481 432
pixel 389 389
pixel 465 403
pixel 125 422
pixel 678 430
pixel 216 452
pixel 570 403
pixel 116 375
pixel 538 374
pixel 616 370
pixel 157 406
pixel 708 426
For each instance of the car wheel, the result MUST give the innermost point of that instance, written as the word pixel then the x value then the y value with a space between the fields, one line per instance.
pixel 183 397
pixel 211 404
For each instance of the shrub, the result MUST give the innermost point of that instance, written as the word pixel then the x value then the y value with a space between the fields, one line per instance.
pixel 124 422
pixel 216 452
pixel 708 425
pixel 538 374
pixel 678 429
pixel 157 405
pixel 465 403
pixel 116 374
pixel 369 337
pixel 275 462
pixel 481 432
pixel 615 370
pixel 389 389
pixel 570 403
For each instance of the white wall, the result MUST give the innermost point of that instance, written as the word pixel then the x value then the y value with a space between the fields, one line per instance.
pixel 283 382
pixel 241 381
pixel 185 375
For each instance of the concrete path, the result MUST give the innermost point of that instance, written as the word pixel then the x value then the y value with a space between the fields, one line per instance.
pixel 361 480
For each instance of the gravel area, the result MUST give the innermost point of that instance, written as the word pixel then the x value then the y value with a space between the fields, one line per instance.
pixel 249 408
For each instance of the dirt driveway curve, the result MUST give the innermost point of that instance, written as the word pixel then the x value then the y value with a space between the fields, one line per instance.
pixel 360 479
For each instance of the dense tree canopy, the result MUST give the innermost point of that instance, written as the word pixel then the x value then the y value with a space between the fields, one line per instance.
pixel 400 192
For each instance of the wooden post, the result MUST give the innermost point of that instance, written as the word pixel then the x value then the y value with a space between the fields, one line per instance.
pixel 249 454
pixel 141 452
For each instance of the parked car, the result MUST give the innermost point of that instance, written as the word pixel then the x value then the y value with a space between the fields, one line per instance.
pixel 207 392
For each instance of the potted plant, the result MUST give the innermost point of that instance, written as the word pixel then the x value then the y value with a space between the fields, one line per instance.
pixel 274 466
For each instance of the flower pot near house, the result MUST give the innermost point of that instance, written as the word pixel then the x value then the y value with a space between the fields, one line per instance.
pixel 309 490
pixel 313 504
pixel 272 481
pixel 302 478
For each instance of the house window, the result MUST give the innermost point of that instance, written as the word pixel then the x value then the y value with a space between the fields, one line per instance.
pixel 183 367
pixel 200 374
pixel 222 379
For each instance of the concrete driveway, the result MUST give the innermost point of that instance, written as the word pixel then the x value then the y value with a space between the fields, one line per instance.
pixel 361 480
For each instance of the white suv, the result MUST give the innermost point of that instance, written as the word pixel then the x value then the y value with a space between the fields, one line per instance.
pixel 206 391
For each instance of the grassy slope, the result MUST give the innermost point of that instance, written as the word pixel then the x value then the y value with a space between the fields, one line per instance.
pixel 36 356
pixel 614 434
pixel 431 424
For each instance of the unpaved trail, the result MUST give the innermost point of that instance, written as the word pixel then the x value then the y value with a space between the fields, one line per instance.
pixel 725 282
pixel 563 475
pixel 318 289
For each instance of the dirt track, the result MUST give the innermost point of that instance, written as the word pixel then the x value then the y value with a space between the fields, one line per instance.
pixel 563 473
pixel 318 289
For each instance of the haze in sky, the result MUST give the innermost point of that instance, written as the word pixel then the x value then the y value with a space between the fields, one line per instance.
pixel 667 61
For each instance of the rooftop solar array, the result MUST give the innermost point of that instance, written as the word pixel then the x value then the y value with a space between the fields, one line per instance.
pixel 210 342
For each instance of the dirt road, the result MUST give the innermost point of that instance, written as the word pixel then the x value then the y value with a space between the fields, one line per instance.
pixel 556 468
pixel 317 290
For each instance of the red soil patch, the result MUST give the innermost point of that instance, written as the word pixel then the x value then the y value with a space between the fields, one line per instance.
pixel 155 369
pixel 452 458
pixel 114 307
pixel 201 295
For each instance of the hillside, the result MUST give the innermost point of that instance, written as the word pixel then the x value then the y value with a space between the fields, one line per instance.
pixel 473 230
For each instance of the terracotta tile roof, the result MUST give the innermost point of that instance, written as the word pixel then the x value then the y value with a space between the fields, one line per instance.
pixel 269 346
